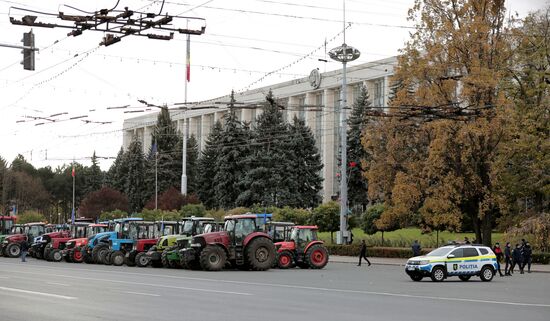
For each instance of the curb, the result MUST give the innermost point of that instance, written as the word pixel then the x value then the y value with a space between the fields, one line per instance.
pixel 403 264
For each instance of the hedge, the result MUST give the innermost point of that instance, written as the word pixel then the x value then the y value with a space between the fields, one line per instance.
pixel 402 252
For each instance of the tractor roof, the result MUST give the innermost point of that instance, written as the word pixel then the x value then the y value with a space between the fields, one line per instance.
pixel 307 227
pixel 98 225
pixel 281 223
pixel 35 223
pixel 144 222
pixel 81 223
pixel 8 218
pixel 240 216
pixel 127 219
pixel 197 218
pixel 167 222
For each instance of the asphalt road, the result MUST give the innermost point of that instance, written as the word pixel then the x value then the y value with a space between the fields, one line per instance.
pixel 39 290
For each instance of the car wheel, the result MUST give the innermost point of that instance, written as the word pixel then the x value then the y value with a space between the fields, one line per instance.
pixel 486 274
pixel 438 274
pixel 464 277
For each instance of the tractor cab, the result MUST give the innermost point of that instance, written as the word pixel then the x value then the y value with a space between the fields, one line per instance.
pixel 17 229
pixel 279 231
pixel 242 242
pixel 169 227
pixel 73 248
pixel 11 245
pixel 6 223
pixel 134 237
pixel 303 248
pixel 35 229
pixel 100 243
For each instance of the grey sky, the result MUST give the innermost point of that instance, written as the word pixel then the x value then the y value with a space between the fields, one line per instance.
pixel 244 39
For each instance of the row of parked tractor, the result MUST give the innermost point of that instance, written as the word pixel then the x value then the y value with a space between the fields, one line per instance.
pixel 248 241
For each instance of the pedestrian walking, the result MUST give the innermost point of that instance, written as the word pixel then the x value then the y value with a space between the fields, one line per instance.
pixel 416 248
pixel 517 258
pixel 363 254
pixel 24 250
pixel 527 253
pixel 508 259
pixel 498 252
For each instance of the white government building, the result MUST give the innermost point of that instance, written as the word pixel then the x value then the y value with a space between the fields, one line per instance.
pixel 316 99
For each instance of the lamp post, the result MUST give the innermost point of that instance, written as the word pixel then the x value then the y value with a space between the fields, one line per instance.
pixel 343 54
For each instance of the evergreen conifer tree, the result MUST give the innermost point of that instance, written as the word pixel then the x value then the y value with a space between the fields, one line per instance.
pixel 357 183
pixel 117 173
pixel 136 176
pixel 191 164
pixel 93 177
pixel 207 167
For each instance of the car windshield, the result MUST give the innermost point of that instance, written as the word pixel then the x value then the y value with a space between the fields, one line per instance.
pixel 187 227
pixel 442 251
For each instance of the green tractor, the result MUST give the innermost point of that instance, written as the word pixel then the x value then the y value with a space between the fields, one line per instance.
pixel 166 252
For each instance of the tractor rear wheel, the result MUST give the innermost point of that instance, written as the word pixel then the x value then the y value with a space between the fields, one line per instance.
pixel 106 259
pixel 47 252
pixel 117 258
pixel 14 250
pixel 98 252
pixel 130 258
pixel 56 255
pixel 141 259
pixel 76 255
pixel 317 256
pixel 164 259
pixel 69 256
pixel 213 258
pixel 87 257
pixel 260 254
pixel 284 260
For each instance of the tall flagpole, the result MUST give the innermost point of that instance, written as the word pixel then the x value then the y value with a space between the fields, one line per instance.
pixel 73 211
pixel 184 129
pixel 156 176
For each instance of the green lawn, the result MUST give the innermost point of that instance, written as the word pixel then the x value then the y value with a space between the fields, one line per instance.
pixel 405 237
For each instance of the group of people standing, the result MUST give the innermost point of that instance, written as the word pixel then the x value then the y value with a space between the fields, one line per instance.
pixel 520 256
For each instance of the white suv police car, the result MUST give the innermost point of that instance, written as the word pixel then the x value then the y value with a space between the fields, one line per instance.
pixel 462 260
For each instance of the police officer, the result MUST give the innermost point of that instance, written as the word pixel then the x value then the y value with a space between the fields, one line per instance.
pixel 498 252
pixel 508 258
pixel 517 256
pixel 527 253
pixel 416 248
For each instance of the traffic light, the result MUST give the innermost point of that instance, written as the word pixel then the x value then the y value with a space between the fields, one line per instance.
pixel 28 53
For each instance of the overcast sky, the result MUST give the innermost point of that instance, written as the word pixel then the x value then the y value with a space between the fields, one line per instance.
pixel 244 39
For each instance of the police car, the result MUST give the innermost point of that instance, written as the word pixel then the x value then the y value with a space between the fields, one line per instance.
pixel 462 260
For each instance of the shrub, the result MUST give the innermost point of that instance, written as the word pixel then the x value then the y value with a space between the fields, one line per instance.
pixel 189 210
pixel 106 216
pixel 30 216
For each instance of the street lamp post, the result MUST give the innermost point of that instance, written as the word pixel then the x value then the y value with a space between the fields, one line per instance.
pixel 343 54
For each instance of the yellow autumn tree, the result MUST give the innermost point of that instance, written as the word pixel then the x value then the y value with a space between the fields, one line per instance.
pixel 433 166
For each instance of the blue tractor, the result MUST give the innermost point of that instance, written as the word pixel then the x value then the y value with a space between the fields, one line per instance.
pixel 100 244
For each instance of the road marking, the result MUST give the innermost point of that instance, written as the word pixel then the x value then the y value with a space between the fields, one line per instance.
pixel 288 286
pixel 38 293
pixel 55 283
pixel 140 293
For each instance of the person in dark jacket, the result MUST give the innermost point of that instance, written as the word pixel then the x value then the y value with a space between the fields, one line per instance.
pixel 24 250
pixel 363 254
pixel 498 252
pixel 517 258
pixel 416 248
pixel 508 259
pixel 527 253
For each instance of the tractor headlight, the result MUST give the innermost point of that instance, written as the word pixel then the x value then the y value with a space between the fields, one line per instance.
pixel 195 245
pixel 5 242
pixel 134 247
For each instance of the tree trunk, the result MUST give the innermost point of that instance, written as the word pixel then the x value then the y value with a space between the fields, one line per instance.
pixel 331 238
pixel 436 238
pixel 486 229
pixel 382 238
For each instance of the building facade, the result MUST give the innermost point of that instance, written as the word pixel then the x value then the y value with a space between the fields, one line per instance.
pixel 315 99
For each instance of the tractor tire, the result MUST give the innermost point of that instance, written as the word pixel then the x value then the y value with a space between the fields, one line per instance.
pixel 142 260
pixel 14 250
pixel 260 254
pixel 56 255
pixel 76 255
pixel 130 259
pixel 189 263
pixel 98 252
pixel 317 256
pixel 164 259
pixel 285 260
pixel 106 259
pixel 156 264
pixel 117 258
pixel 213 258
pixel 47 252
pixel 87 257
pixel 68 256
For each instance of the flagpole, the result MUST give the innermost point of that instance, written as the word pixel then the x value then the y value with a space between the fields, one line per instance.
pixel 72 213
pixel 184 129
pixel 156 177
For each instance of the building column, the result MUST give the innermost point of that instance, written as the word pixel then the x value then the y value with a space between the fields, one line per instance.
pixel 147 139
pixel 293 103
pixel 206 127
pixel 329 152
pixel 310 115
pixel 127 138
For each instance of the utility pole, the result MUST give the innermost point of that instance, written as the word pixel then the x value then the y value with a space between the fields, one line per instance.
pixel 343 54
pixel 28 50
pixel 184 129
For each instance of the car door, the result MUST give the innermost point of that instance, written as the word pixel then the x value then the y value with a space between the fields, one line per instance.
pixel 454 261
pixel 471 262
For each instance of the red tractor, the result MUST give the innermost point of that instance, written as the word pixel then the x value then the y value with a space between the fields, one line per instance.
pixel 11 246
pixel 73 248
pixel 242 243
pixel 138 255
pixel 303 249
pixel 53 250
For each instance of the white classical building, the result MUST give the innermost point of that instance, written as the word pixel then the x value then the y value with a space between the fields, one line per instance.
pixel 316 99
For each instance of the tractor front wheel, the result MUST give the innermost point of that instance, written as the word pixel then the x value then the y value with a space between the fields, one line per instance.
pixel 14 250
pixel 213 258
pixel 284 260
pixel 47 252
pixel 141 259
pixel 76 255
pixel 130 258
pixel 106 257
pixel 317 256
pixel 56 255
pixel 117 258
pixel 260 254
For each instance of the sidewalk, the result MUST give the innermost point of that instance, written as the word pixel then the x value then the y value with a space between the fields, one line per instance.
pixel 542 268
